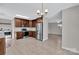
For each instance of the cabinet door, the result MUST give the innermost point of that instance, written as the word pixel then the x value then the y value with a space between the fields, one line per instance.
pixel 30 23
pixel 34 34
pixel 2 46
pixel 26 23
pixel 18 23
pixel 19 35
pixel 34 23
pixel 30 34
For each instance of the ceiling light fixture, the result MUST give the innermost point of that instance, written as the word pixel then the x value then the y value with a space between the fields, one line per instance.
pixel 42 13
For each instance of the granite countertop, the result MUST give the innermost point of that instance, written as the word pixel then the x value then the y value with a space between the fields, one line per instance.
pixel 28 29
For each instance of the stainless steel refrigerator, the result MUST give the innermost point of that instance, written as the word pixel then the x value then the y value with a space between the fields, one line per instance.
pixel 39 28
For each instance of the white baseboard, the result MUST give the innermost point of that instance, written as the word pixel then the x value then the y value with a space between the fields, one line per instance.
pixel 44 40
pixel 55 34
pixel 71 49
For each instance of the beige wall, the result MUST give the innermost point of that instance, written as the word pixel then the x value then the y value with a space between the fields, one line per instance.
pixel 53 29
pixel 70 32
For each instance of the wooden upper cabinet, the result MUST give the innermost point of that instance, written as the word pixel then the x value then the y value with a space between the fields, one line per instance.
pixel 34 23
pixel 18 23
pixel 26 23
pixel 21 22
pixel 30 23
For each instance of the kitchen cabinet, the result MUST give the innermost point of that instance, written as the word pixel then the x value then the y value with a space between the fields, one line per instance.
pixel 18 23
pixel 19 35
pixel 2 46
pixel 21 22
pixel 34 23
pixel 32 34
pixel 26 23
pixel 30 23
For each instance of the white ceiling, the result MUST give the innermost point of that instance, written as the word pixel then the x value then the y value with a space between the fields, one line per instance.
pixel 9 10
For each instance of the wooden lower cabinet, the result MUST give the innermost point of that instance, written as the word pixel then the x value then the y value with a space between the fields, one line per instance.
pixel 32 34
pixel 19 35
pixel 2 46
